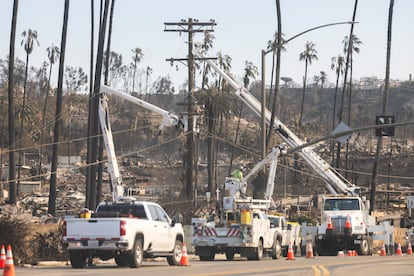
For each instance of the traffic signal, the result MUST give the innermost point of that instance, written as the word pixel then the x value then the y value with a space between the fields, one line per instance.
pixel 384 120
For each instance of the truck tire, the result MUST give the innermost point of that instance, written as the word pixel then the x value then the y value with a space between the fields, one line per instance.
pixel 175 259
pixel 364 247
pixel 229 255
pixel 258 252
pixel 136 255
pixel 77 259
pixel 276 249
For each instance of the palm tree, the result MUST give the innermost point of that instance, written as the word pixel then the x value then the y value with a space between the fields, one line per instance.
pixel 90 103
pixel 58 116
pixel 53 54
pixel 308 55
pixel 217 104
pixel 148 72
pixel 250 72
pixel 12 164
pixel 322 78
pixel 29 37
pixel 101 140
pixel 207 45
pixel 353 45
pixel 137 58
pixel 384 106
pixel 337 64
pixel 277 46
pixel 94 124
pixel 347 51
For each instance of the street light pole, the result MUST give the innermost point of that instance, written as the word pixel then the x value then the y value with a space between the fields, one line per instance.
pixel 263 86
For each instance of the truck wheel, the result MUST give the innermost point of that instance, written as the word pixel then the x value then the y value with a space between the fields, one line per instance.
pixel 276 250
pixel 136 255
pixel 364 247
pixel 77 259
pixel 258 252
pixel 121 260
pixel 175 259
pixel 229 255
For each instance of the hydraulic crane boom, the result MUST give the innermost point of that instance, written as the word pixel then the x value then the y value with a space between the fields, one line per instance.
pixel 169 119
pixel 335 183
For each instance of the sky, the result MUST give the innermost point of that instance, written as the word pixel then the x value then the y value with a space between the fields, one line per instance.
pixel 243 29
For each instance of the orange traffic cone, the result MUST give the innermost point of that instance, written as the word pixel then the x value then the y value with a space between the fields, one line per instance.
pixel 329 225
pixel 383 251
pixel 348 223
pixel 9 267
pixel 290 254
pixel 409 249
pixel 399 251
pixel 309 249
pixel 2 257
pixel 184 257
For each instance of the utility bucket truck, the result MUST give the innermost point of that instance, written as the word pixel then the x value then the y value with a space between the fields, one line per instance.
pixel 241 225
pixel 125 228
pixel 337 185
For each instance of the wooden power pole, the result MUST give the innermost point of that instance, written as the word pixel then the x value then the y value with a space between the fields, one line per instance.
pixel 188 27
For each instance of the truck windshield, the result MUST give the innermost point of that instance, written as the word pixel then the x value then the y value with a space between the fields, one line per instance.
pixel 275 221
pixel 338 204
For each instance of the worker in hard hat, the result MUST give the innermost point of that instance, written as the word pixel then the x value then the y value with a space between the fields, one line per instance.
pixel 238 173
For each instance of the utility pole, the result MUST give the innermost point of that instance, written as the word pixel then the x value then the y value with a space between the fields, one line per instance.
pixel 188 27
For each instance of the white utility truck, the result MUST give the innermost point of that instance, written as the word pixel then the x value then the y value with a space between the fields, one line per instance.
pixel 360 237
pixel 242 225
pixel 125 229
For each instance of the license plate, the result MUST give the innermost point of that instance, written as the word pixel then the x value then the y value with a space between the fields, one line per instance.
pixel 93 243
pixel 357 242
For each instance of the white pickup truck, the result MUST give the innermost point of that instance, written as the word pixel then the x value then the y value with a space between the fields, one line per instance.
pixel 127 231
pixel 286 233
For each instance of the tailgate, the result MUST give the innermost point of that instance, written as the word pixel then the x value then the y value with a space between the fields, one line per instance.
pixel 93 228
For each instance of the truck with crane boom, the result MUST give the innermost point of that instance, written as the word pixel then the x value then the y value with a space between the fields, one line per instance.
pixel 125 228
pixel 243 225
pixel 331 234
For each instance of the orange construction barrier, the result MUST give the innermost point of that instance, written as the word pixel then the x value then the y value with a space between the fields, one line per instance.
pixel 184 257
pixel 409 249
pixel 399 251
pixel 383 251
pixel 309 249
pixel 9 267
pixel 2 257
pixel 290 254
